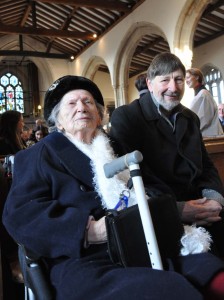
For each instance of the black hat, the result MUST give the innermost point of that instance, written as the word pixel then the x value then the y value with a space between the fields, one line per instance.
pixel 65 84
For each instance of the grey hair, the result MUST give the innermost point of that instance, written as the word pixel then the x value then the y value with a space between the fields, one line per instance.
pixel 54 115
pixel 163 64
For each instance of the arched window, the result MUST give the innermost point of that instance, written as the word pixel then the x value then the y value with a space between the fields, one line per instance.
pixel 214 83
pixel 11 93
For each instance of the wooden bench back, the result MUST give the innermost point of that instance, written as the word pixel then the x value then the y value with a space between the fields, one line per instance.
pixel 215 148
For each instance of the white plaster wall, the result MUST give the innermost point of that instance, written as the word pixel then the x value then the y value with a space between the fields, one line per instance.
pixel 106 87
pixel 132 91
pixel 210 53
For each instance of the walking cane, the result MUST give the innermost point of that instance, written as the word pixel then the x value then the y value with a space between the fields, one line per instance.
pixel 131 161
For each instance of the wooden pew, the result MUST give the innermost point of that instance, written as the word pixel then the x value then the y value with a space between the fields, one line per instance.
pixel 215 148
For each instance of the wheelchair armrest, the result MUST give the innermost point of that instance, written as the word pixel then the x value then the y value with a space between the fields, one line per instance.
pixel 35 274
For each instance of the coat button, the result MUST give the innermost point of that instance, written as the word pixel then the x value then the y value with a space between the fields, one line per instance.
pixel 82 188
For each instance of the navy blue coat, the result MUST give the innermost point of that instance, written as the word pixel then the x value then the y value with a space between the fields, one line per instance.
pixel 47 209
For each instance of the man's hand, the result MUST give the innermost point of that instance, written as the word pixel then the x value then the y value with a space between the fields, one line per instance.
pixel 201 212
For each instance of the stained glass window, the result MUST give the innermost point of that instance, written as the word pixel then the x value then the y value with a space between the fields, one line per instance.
pixel 11 93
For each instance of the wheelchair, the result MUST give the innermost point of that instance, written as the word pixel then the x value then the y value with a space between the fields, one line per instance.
pixel 36 280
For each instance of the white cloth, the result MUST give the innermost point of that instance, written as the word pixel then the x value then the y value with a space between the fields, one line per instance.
pixel 195 240
pixel 206 108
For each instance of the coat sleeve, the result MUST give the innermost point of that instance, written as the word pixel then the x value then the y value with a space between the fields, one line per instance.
pixel 46 210
pixel 121 129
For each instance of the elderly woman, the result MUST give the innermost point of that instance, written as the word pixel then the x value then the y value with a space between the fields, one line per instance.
pixel 56 208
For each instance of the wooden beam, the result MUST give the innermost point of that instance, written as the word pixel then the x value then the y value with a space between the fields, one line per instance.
pixel 211 7
pixel 33 54
pixel 21 42
pixel 208 39
pixel 213 20
pixel 101 4
pixel 46 32
pixel 64 26
pixel 148 46
pixel 34 15
pixel 26 14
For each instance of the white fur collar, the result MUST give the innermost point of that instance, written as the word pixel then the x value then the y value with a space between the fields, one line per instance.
pixel 100 152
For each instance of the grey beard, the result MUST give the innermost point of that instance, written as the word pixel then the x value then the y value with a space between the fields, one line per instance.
pixel 166 105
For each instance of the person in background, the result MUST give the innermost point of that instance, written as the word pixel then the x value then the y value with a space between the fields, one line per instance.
pixel 62 218
pixel 141 85
pixel 25 134
pixel 175 160
pixel 11 127
pixel 40 124
pixel 37 134
pixel 221 114
pixel 203 104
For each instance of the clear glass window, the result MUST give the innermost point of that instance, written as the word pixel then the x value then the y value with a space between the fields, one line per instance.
pixel 214 83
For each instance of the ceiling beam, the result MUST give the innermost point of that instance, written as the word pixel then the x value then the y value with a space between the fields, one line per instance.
pixel 33 54
pixel 26 14
pixel 101 4
pixel 152 43
pixel 64 26
pixel 211 7
pixel 208 39
pixel 216 21
pixel 46 32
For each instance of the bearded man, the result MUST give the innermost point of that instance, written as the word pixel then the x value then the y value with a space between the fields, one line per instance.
pixel 175 160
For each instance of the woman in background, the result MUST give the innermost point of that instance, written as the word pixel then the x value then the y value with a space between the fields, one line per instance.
pixel 11 127
pixel 11 142
pixel 203 104
pixel 37 134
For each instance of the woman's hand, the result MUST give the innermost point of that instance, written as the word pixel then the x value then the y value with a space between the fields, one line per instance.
pixel 97 232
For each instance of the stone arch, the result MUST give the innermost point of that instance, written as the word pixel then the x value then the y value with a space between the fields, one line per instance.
pixel 123 58
pixel 92 66
pixel 185 28
pixel 90 71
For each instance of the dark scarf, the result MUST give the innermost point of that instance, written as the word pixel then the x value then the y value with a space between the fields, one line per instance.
pixel 198 89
